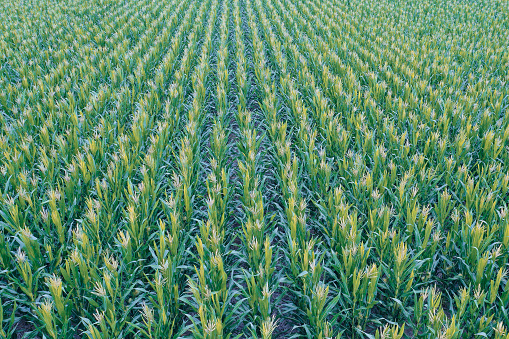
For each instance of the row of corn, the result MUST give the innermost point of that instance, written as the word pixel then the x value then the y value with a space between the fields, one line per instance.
pixel 257 248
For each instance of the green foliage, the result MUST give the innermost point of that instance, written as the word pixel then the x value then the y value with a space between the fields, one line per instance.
pixel 254 168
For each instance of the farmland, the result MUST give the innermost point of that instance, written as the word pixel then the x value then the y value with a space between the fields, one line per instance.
pixel 254 169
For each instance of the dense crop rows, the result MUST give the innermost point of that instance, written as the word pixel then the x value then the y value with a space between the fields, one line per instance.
pixel 254 168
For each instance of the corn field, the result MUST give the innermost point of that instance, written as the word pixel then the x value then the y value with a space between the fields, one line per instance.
pixel 254 169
